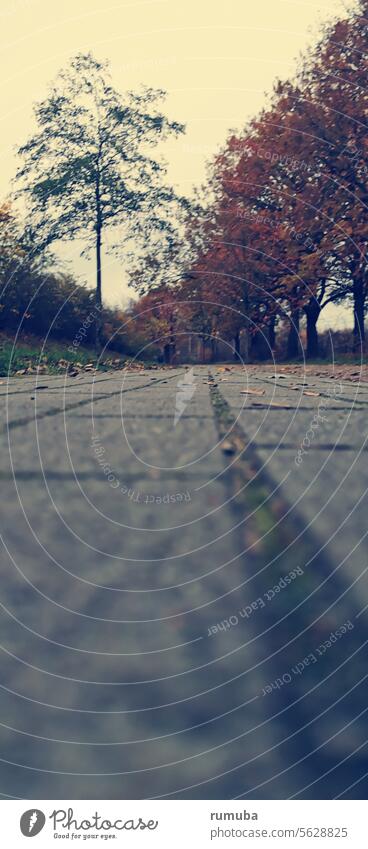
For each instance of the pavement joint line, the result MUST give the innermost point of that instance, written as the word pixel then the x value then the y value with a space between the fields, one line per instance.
pixel 60 387
pixel 143 416
pixel 293 446
pixel 283 385
pixel 57 388
pixel 170 475
pixel 262 405
pixel 54 411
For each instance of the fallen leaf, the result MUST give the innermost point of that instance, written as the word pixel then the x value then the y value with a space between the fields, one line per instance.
pixel 312 394
pixel 252 392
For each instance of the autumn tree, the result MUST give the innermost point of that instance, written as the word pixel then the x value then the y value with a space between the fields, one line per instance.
pixel 155 318
pixel 292 188
pixel 318 157
pixel 209 301
pixel 239 241
pixel 336 81
pixel 88 166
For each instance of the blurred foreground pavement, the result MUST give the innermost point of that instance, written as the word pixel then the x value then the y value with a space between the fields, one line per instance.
pixel 175 624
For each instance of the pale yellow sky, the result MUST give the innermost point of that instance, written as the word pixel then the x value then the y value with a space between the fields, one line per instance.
pixel 217 60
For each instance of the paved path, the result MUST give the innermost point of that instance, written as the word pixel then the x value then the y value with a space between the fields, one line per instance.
pixel 169 598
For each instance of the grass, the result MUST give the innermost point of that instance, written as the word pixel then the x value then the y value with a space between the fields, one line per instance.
pixel 30 355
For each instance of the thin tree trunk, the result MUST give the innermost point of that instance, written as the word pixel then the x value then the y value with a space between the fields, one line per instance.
pixel 247 344
pixel 259 349
pixel 247 325
pixel 359 310
pixel 167 353
pixel 312 311
pixel 172 344
pixel 237 345
pixel 98 320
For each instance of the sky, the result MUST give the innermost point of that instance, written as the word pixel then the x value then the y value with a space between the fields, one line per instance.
pixel 217 61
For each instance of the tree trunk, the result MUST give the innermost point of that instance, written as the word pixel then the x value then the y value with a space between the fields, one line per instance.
pixel 259 350
pixel 167 353
pixel 312 311
pixel 213 349
pixel 272 332
pixel 98 318
pixel 172 344
pixel 293 337
pixel 237 345
pixel 246 344
pixel 359 310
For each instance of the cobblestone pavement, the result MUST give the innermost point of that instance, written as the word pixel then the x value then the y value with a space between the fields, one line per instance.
pixel 183 599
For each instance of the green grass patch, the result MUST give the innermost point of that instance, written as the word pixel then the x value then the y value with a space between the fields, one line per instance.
pixel 31 356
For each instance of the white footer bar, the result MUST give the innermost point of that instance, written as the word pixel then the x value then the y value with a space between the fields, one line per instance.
pixel 178 824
